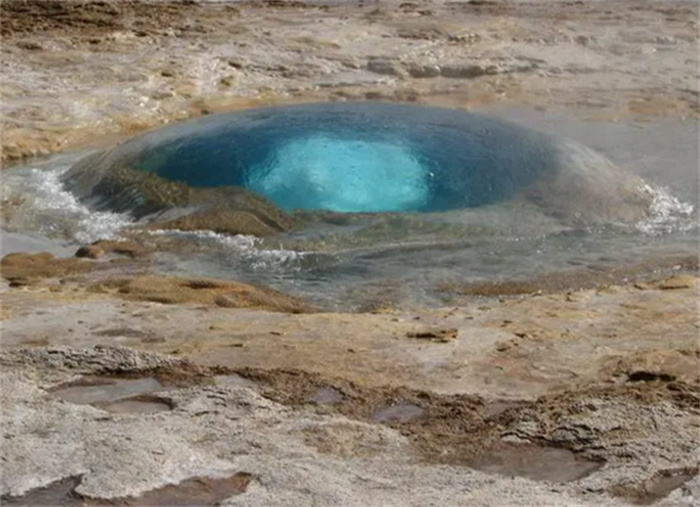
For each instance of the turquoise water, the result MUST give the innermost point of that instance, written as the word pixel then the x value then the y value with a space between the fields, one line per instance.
pixel 320 172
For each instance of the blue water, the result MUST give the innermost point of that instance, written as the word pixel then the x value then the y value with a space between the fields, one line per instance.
pixel 354 157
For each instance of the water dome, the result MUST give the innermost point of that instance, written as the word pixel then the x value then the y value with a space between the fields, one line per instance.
pixel 352 158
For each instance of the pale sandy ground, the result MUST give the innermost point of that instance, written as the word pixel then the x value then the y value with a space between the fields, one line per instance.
pixel 610 373
pixel 74 73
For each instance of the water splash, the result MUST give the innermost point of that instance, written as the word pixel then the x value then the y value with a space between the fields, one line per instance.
pixel 667 213
pixel 43 205
pixel 244 248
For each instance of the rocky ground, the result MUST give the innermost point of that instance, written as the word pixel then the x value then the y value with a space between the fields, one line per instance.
pixel 120 387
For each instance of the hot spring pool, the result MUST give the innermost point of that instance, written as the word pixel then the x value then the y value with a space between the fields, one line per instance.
pixel 379 201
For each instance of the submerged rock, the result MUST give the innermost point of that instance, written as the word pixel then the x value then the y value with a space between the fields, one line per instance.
pixel 109 181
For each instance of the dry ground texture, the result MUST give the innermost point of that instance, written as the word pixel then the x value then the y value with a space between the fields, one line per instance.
pixel 120 387
pixel 75 70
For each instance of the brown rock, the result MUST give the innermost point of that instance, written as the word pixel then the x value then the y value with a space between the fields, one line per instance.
pixel 435 335
pixel 30 45
pixel 503 346
pixel 658 365
pixel 678 282
pixel 102 247
pixel 228 210
pixel 227 294
pixel 423 71
pixel 90 251
pixel 26 268
pixel 386 66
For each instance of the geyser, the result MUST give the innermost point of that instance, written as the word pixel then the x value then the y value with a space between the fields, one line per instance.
pixel 354 157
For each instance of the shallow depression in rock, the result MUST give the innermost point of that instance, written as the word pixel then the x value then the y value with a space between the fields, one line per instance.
pixel 116 395
pixel 327 395
pixel 662 485
pixel 535 462
pixel 196 491
pixel 90 390
pixel 398 412
pixel 137 405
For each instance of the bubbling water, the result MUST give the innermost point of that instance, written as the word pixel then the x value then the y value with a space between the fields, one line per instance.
pixel 344 175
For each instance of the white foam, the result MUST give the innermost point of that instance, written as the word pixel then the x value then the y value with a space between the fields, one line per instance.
pixel 667 213
pixel 243 248
pixel 47 208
